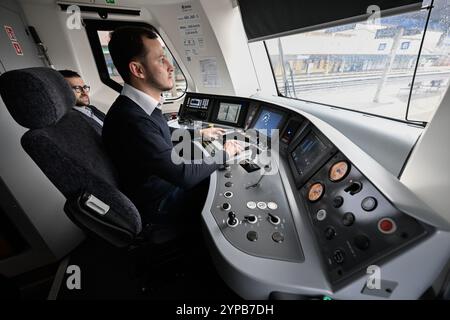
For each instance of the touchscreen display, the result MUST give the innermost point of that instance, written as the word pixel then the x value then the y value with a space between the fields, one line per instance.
pixel 268 120
pixel 229 112
pixel 305 154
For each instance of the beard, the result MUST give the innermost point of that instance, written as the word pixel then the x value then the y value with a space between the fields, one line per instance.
pixel 160 84
pixel 160 81
pixel 82 102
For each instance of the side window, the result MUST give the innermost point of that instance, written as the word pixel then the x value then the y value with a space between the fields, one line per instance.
pixel 112 71
pixel 99 36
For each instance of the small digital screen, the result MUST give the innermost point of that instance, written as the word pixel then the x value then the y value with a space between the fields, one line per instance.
pixel 229 112
pixel 291 129
pixel 268 120
pixel 196 103
pixel 307 152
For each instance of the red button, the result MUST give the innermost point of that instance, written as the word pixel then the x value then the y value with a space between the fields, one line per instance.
pixel 387 225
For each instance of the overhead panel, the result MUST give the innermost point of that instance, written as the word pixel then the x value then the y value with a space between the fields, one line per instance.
pixel 264 19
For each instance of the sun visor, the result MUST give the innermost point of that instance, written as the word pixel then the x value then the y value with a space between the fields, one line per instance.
pixel 264 19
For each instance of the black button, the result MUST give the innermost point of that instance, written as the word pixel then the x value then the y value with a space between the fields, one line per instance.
pixel 252 235
pixel 229 184
pixel 369 203
pixel 330 233
pixel 226 206
pixel 362 242
pixel 228 175
pixel 277 237
pixel 338 201
pixel 348 219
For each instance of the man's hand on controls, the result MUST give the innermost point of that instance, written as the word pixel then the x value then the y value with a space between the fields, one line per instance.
pixel 232 147
pixel 211 133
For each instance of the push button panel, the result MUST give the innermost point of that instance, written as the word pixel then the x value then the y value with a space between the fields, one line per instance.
pixel 353 222
pixel 257 219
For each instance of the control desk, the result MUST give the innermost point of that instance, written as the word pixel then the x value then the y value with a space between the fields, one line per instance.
pixel 299 213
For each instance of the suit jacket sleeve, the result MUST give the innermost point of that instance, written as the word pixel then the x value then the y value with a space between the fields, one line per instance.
pixel 154 154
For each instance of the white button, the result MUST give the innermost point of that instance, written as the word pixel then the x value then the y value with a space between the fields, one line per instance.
pixel 251 205
pixel 228 194
pixel 272 206
pixel 321 214
pixel 262 205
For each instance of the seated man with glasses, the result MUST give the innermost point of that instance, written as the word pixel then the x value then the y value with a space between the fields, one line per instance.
pixel 81 91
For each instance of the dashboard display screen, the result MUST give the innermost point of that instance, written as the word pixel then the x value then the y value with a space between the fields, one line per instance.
pixel 268 120
pixel 197 103
pixel 305 154
pixel 229 112
pixel 290 131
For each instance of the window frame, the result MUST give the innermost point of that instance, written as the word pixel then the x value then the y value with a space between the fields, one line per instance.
pixel 92 26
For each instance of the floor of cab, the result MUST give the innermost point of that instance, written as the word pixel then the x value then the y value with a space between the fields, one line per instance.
pixel 177 272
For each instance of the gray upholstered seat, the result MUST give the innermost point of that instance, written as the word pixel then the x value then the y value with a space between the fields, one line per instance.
pixel 69 150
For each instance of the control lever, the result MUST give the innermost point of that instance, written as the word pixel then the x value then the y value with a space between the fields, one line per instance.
pixel 232 221
pixel 251 218
pixel 257 184
pixel 274 219
pixel 354 188
pixel 249 166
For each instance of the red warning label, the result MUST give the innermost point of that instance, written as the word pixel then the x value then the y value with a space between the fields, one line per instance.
pixel 18 48
pixel 10 32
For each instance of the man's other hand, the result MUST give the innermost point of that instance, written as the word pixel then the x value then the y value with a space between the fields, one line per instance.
pixel 232 147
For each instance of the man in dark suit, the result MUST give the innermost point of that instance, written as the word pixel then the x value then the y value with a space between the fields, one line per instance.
pixel 81 91
pixel 138 139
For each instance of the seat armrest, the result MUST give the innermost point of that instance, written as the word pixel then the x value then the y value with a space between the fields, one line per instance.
pixel 93 216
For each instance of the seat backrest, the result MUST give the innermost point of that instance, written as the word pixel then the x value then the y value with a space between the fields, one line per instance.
pixel 69 150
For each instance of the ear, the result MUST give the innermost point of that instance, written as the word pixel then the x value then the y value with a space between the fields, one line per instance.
pixel 136 69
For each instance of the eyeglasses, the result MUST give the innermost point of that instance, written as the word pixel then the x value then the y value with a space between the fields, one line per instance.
pixel 80 89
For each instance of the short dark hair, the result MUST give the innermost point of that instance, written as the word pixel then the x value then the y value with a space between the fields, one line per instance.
pixel 126 44
pixel 69 74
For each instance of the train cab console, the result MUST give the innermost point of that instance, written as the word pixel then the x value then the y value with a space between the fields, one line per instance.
pixel 305 211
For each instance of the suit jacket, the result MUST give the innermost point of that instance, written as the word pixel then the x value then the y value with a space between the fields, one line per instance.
pixel 99 114
pixel 140 146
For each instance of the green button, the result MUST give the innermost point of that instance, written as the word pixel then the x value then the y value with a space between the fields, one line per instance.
pixel 326 298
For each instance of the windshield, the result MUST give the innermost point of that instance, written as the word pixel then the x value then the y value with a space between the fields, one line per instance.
pixel 369 66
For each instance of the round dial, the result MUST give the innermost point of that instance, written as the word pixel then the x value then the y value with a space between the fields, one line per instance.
pixel 316 192
pixel 338 171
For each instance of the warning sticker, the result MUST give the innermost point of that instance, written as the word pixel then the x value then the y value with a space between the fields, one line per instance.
pixel 18 48
pixel 10 32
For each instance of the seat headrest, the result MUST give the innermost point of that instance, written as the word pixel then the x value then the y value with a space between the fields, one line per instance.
pixel 36 97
